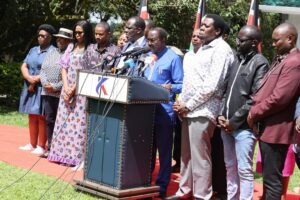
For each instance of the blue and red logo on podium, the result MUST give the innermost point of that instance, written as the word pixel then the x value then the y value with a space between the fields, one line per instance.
pixel 100 88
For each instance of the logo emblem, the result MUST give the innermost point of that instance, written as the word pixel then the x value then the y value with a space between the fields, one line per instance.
pixel 100 88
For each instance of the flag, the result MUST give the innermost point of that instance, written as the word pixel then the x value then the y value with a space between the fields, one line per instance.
pixel 143 12
pixel 200 14
pixel 253 18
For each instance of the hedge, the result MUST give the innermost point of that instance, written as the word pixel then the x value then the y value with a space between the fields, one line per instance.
pixel 11 82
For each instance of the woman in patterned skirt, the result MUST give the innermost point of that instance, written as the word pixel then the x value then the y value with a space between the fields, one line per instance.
pixel 69 136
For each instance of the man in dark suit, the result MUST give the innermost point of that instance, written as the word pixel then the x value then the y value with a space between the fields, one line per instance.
pixel 272 114
pixel 134 30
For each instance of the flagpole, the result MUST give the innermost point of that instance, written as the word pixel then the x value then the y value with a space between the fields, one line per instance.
pixel 254 19
pixel 199 15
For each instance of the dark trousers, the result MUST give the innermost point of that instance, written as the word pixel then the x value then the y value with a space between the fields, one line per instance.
pixel 177 142
pixel 163 141
pixel 218 165
pixel 273 158
pixel 50 109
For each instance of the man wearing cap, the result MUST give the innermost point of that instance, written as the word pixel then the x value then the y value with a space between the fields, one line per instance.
pixel 100 56
pixel 51 80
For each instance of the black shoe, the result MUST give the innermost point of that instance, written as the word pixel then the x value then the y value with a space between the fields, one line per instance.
pixel 176 168
pixel 162 195
pixel 219 197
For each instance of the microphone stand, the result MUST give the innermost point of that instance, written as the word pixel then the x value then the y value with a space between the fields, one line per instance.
pixel 141 64
pixel 131 70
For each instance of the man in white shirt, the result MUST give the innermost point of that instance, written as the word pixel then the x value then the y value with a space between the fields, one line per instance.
pixel 203 87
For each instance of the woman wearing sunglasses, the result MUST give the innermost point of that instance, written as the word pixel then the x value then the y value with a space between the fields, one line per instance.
pixel 69 135
pixel 30 100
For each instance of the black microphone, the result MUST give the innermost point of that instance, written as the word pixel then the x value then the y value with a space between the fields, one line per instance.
pixel 141 51
pixel 104 62
pixel 130 51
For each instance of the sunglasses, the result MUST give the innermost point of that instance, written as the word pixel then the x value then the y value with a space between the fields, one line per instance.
pixel 78 32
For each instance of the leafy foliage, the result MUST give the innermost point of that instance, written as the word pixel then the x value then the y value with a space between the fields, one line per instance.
pixel 20 19
pixel 178 17
pixel 11 82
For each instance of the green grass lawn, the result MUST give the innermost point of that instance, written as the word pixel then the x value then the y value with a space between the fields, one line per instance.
pixel 294 179
pixel 34 185
pixel 12 117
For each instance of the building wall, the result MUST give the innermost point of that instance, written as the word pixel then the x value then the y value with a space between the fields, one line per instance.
pixel 294 19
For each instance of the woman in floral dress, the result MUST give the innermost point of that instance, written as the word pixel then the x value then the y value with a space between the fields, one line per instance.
pixel 69 136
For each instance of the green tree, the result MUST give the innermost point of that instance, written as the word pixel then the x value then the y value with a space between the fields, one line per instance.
pixel 19 21
pixel 178 17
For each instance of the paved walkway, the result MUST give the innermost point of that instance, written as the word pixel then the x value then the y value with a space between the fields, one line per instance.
pixel 12 137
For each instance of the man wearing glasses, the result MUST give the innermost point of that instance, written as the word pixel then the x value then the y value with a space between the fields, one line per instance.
pixel 166 71
pixel 134 30
pixel 239 141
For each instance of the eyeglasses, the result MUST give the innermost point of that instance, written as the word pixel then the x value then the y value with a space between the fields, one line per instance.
pixel 197 36
pixel 42 36
pixel 78 32
pixel 239 40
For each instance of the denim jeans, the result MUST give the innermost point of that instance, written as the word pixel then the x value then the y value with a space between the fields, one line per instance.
pixel 238 156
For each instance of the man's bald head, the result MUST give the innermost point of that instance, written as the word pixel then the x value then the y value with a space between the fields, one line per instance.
pixel 288 30
pixel 251 32
pixel 247 40
pixel 284 38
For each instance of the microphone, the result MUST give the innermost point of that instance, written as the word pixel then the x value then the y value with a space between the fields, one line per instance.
pixel 130 70
pixel 127 64
pixel 150 60
pixel 140 63
pixel 140 51
pixel 127 53
pixel 104 62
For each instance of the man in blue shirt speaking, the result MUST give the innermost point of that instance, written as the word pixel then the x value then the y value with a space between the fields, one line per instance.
pixel 165 70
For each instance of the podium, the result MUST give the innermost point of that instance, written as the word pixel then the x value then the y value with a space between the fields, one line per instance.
pixel 120 114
